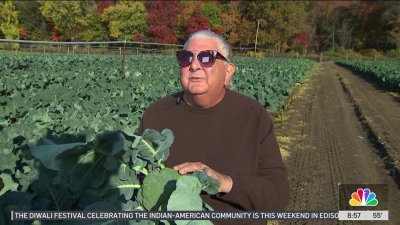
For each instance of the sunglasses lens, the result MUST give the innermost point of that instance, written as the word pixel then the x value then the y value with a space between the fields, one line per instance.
pixel 206 59
pixel 184 58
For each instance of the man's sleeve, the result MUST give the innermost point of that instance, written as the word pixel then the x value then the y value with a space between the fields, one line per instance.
pixel 269 190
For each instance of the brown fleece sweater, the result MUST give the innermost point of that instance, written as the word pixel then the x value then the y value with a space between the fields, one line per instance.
pixel 234 137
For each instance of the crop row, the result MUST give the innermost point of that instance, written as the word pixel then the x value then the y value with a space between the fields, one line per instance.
pixel 386 73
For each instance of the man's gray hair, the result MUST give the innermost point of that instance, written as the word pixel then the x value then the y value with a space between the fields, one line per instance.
pixel 223 44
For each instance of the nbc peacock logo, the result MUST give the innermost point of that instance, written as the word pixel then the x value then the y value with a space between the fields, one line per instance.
pixel 363 197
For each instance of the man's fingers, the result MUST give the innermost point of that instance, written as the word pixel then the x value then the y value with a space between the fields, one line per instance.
pixel 179 166
pixel 188 167
pixel 225 181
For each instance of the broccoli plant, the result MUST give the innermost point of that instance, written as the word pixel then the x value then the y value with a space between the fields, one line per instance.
pixel 116 170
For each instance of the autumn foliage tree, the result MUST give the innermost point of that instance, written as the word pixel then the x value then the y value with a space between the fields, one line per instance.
pixel 278 21
pixel 94 27
pixel 103 5
pixel 9 24
pixel 200 15
pixel 126 20
pixel 162 19
pixel 231 21
pixel 196 23
pixel 282 25
pixel 301 41
pixel 378 24
pixel 67 17
pixel 213 12
pixel 33 26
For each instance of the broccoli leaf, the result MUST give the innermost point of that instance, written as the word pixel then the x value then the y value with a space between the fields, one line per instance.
pixel 47 154
pixel 208 184
pixel 154 146
pixel 186 196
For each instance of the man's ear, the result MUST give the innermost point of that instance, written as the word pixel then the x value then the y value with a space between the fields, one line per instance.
pixel 230 70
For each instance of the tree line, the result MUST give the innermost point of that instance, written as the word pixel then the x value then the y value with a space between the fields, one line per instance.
pixel 302 26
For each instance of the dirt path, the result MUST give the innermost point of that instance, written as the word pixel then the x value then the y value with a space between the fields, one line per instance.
pixel 327 140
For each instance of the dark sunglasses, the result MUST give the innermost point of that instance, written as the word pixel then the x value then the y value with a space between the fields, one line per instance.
pixel 206 58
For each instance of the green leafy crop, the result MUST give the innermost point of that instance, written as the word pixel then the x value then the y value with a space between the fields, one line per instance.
pixel 115 170
pixel 45 97
pixel 157 187
pixel 386 73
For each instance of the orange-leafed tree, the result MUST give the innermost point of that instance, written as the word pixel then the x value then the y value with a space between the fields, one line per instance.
pixel 196 23
pixel 162 19
pixel 103 5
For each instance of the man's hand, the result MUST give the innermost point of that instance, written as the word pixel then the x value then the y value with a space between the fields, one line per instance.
pixel 225 181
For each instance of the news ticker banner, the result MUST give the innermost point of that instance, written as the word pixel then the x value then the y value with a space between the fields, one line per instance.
pixel 363 202
pixel 356 202
pixel 173 215
pixel 195 215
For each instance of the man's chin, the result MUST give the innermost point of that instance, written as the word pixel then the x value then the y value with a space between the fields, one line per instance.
pixel 197 91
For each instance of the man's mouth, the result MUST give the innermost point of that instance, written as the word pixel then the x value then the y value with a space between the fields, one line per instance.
pixel 196 79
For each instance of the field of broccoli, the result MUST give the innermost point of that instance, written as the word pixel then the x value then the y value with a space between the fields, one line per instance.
pixel 68 132
pixel 68 123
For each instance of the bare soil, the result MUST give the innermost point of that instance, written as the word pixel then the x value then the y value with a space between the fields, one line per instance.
pixel 340 128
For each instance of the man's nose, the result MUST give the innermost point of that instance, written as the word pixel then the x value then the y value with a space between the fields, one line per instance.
pixel 195 65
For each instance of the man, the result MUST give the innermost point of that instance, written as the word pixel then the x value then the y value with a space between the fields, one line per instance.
pixel 222 132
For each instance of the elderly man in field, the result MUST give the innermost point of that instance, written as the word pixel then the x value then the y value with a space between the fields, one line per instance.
pixel 222 132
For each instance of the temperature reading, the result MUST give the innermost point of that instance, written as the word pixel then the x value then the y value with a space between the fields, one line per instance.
pixel 377 215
